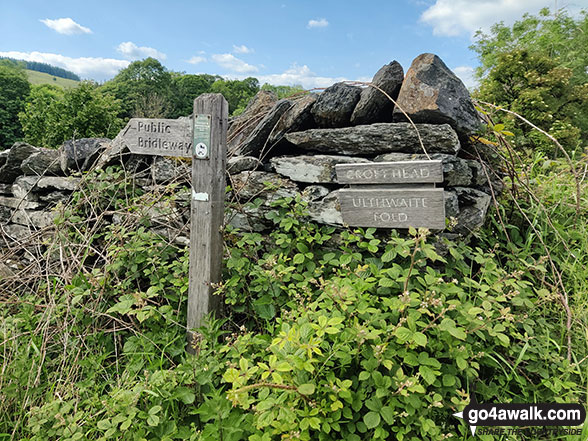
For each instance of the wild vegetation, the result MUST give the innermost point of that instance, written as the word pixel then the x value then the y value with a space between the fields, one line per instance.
pixel 324 334
pixel 46 115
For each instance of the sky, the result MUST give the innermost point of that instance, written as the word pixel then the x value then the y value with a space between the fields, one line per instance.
pixel 284 42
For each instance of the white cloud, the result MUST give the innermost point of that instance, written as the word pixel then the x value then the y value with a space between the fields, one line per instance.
pixel 87 67
pixel 242 49
pixel 197 60
pixel 466 74
pixel 233 64
pixel 456 17
pixel 319 23
pixel 66 26
pixel 301 75
pixel 133 52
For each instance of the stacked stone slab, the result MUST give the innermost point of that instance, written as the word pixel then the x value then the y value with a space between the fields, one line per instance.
pixel 427 114
pixel 285 148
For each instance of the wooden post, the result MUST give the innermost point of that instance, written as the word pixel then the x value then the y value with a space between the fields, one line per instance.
pixel 207 213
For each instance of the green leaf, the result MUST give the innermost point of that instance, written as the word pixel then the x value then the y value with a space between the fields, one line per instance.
pixel 298 258
pixel 155 410
pixel 306 389
pixel 403 334
pixel 388 414
pixel 458 333
pixel 420 339
pixel 428 374
pixel 103 424
pixel 152 420
pixel 503 339
pixel 231 375
pixel 448 380
pixel 283 366
pixel 371 420
pixel 185 395
pixel 389 255
pixel 302 248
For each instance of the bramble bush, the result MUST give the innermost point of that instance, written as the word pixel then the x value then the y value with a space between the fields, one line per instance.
pixel 326 334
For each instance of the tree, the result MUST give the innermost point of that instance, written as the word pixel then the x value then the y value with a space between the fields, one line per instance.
pixel 557 36
pixel 34 118
pixel 283 91
pixel 189 87
pixel 237 92
pixel 537 68
pixel 536 87
pixel 145 89
pixel 14 88
pixel 82 112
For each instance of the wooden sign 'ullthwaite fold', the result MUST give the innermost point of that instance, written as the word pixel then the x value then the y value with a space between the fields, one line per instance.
pixel 408 199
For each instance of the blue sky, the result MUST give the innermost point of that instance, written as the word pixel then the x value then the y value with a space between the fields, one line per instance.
pixel 312 43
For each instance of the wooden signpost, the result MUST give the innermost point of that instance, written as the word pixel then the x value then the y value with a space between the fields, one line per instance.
pixel 160 137
pixel 208 205
pixel 204 139
pixel 405 198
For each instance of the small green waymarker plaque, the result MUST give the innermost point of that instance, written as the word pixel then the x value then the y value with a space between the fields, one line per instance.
pixel 201 136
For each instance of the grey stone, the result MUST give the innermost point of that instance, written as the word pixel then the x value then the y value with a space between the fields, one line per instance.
pixel 241 126
pixel 54 197
pixel 314 193
pixel 23 186
pixel 28 186
pixel 432 93
pixel 5 189
pixel 257 142
pixel 249 185
pixel 373 105
pixel 327 210
pixel 6 271
pixel 314 169
pixel 378 138
pixel 165 170
pixel 80 154
pixel 456 171
pixel 69 183
pixel 479 178
pixel 296 118
pixel 115 152
pixel 4 157
pixel 451 204
pixel 5 213
pixel 247 219
pixel 16 155
pixel 37 219
pixel 43 162
pixel 19 203
pixel 238 164
pixel 334 106
pixel 473 205
pixel 15 231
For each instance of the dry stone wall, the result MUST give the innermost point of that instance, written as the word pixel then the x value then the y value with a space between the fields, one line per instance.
pixel 284 148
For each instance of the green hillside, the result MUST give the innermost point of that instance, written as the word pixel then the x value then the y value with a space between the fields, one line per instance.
pixel 43 78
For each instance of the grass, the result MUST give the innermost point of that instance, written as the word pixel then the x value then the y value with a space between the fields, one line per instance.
pixel 44 78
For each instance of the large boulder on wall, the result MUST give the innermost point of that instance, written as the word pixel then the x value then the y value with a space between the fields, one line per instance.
pixel 432 93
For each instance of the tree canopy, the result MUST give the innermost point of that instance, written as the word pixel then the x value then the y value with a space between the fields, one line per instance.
pixel 537 68
pixel 14 88
pixel 52 117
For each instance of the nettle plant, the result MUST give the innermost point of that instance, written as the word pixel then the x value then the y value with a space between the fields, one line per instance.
pixel 356 336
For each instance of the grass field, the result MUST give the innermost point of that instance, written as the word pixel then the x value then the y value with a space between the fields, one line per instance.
pixel 43 78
